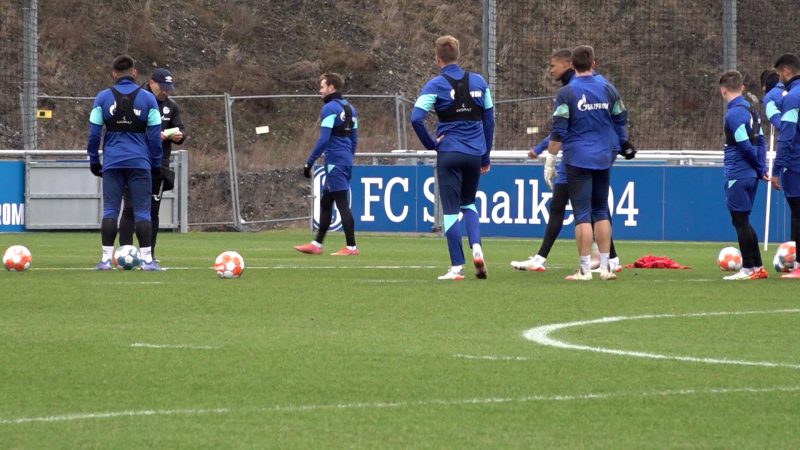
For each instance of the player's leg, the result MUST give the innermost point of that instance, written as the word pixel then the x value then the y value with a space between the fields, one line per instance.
pixel 471 176
pixel 790 180
pixel 557 211
pixel 739 196
pixel 579 186
pixel 325 216
pixel 113 183
pixel 140 187
pixel 339 184
pixel 448 170
pixel 126 220
pixel 155 210
pixel 602 220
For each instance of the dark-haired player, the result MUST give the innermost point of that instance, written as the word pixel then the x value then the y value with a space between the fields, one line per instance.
pixel 744 165
pixel 131 155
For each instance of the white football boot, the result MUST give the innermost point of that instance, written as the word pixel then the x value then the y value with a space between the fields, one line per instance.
pixel 455 273
pixel 532 264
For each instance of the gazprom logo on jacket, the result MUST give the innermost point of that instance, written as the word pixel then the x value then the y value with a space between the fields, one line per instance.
pixel 584 106
pixel 319 184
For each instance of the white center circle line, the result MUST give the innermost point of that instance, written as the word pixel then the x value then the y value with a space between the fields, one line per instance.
pixel 541 335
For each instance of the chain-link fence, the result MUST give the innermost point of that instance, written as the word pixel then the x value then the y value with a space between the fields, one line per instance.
pixel 10 80
pixel 664 56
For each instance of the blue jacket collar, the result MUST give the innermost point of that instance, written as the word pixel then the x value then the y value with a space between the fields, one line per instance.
pixel 125 80
pixel 738 101
pixel 793 82
pixel 452 69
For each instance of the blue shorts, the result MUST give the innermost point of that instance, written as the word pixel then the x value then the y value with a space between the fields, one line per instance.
pixel 790 183
pixel 337 178
pixel 459 175
pixel 739 194
pixel 588 192
pixel 139 185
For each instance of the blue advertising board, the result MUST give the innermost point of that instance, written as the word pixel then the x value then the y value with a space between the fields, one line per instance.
pixel 12 196
pixel 673 203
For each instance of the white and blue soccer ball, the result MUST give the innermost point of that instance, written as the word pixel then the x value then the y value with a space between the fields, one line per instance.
pixel 127 257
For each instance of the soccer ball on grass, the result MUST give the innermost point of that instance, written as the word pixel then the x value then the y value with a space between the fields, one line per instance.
pixel 729 259
pixel 127 257
pixel 229 264
pixel 17 258
pixel 785 257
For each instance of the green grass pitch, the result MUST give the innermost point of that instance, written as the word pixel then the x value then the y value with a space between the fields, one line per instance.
pixel 373 352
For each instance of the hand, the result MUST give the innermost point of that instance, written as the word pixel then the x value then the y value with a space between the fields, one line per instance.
pixel 627 150
pixel 485 169
pixel 550 170
pixel 97 169
pixel 176 137
pixel 439 140
pixel 765 177
pixel 307 171
pixel 775 183
pixel 532 155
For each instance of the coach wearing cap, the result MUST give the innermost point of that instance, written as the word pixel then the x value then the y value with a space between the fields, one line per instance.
pixel 172 131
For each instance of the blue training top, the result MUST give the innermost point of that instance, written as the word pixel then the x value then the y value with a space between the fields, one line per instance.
pixel 121 149
pixel 772 105
pixel 472 137
pixel 337 147
pixel 589 120
pixel 788 155
pixel 745 153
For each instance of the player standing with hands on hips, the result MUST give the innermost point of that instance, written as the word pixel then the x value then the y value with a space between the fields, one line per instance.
pixel 131 155
pixel 786 168
pixel 588 125
pixel 745 164
pixel 172 131
pixel 464 135
pixel 338 138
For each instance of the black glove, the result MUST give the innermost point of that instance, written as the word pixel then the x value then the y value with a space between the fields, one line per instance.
pixel 628 151
pixel 97 169
pixel 155 178
pixel 169 179
pixel 307 171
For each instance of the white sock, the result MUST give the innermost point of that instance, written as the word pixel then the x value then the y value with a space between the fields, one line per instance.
pixel 477 250
pixel 456 268
pixel 108 253
pixel 352 247
pixel 747 270
pixel 539 259
pixel 147 254
pixel 603 259
pixel 316 244
pixel 585 261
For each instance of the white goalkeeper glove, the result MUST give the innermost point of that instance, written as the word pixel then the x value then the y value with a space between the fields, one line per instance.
pixel 550 170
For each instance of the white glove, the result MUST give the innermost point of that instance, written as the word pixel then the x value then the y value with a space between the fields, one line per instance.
pixel 550 170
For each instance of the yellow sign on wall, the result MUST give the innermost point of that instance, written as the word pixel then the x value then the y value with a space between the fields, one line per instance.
pixel 44 114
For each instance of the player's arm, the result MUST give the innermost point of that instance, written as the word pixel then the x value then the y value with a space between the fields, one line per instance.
pixel 328 120
pixel 488 127
pixel 773 114
pixel 560 120
pixel 95 132
pixel 737 123
pixel 177 122
pixel 154 132
pixel 424 104
pixel 790 110
pixel 354 133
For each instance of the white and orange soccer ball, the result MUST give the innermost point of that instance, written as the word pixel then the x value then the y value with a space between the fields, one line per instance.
pixel 17 258
pixel 729 259
pixel 785 257
pixel 229 264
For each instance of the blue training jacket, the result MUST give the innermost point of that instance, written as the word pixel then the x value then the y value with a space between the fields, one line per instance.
pixel 469 137
pixel 743 158
pixel 589 120
pixel 772 105
pixel 123 150
pixel 788 155
pixel 338 150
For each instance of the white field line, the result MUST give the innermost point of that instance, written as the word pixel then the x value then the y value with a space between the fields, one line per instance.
pixel 491 357
pixel 541 335
pixel 173 346
pixel 407 404
pixel 128 282
pixel 276 267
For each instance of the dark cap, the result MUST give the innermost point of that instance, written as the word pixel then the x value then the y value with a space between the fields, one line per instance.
pixel 163 78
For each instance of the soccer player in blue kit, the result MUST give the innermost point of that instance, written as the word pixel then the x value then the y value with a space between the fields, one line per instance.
pixel 745 164
pixel 338 138
pixel 131 156
pixel 464 135
pixel 773 93
pixel 786 169
pixel 588 124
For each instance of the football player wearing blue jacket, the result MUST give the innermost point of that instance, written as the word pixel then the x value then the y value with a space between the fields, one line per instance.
pixel 131 155
pixel 773 93
pixel 786 169
pixel 745 164
pixel 588 126
pixel 338 137
pixel 464 134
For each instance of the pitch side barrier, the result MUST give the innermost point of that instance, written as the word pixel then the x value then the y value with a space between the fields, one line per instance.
pixel 660 195
pixel 53 189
